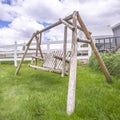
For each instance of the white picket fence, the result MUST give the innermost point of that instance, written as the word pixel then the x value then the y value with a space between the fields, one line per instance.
pixel 15 51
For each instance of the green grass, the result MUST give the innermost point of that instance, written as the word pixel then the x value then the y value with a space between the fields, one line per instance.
pixel 40 95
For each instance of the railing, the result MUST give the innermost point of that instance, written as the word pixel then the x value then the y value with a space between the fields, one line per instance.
pixel 107 43
pixel 15 52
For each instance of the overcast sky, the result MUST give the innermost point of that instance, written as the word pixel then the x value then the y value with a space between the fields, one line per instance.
pixel 20 18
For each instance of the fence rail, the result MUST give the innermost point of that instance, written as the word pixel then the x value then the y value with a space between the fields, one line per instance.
pixel 15 51
pixel 107 43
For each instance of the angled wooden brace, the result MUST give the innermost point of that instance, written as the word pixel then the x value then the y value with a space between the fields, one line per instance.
pixel 28 44
pixel 97 54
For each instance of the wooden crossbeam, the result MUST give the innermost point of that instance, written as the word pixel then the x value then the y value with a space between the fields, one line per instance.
pixel 67 24
pixel 61 58
pixel 84 41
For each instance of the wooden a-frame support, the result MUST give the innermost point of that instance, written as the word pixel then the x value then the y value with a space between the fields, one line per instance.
pixel 73 59
pixel 73 62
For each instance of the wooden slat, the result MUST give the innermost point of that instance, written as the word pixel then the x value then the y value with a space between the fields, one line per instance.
pixel 59 65
pixel 47 60
pixel 54 62
pixel 61 58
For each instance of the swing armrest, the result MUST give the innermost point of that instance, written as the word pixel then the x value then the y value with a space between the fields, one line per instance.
pixel 61 58
pixel 38 57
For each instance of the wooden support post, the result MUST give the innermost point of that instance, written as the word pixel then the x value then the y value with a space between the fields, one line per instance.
pixel 64 51
pixel 73 69
pixel 19 66
pixel 97 54
pixel 39 45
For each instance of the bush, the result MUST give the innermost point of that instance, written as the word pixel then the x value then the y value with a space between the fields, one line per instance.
pixel 112 62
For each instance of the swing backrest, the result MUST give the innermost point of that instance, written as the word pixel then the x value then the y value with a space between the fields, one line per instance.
pixel 53 60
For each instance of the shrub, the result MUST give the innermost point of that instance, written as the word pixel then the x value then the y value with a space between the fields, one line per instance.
pixel 112 62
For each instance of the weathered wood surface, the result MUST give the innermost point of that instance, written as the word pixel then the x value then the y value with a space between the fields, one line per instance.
pixel 73 69
pixel 52 61
pixel 64 51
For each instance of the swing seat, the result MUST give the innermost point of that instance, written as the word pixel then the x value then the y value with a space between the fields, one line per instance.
pixel 52 62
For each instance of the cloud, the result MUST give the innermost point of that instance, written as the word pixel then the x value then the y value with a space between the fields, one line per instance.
pixel 43 10
pixel 25 15
pixel 6 12
pixel 21 29
pixel 25 26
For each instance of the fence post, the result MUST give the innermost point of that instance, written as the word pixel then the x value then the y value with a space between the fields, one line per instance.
pixel 15 54
pixel 48 46
pixel 89 51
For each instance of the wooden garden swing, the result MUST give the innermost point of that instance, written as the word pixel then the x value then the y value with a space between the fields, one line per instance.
pixel 63 61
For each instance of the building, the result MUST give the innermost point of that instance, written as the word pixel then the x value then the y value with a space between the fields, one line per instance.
pixel 116 32
pixel 109 42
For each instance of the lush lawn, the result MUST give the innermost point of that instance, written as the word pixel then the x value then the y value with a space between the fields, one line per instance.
pixel 39 95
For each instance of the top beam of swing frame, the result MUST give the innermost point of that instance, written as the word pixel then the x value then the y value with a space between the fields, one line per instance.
pixel 56 24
